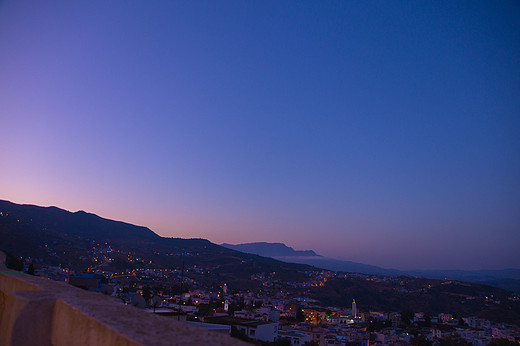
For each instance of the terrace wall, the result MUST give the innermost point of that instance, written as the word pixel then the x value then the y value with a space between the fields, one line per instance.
pixel 37 311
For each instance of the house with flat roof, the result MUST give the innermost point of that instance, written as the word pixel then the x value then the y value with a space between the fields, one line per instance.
pixel 254 329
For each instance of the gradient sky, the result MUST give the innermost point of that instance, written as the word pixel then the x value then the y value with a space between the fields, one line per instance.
pixel 384 132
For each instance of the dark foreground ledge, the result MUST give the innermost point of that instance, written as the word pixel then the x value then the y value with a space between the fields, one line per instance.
pixel 37 311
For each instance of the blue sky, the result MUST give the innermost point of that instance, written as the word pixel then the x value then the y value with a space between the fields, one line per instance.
pixel 380 132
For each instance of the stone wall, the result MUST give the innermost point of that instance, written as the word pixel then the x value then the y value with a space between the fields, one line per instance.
pixel 37 311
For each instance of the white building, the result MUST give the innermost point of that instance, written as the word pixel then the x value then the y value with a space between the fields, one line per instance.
pixel 296 337
pixel 259 330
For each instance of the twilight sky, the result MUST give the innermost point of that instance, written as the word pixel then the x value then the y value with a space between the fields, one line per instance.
pixel 384 132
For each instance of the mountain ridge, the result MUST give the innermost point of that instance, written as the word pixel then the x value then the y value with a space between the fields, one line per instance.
pixel 41 225
pixel 53 237
pixel 504 278
pixel 61 237
pixel 270 249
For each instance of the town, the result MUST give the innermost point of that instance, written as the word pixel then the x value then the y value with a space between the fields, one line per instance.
pixel 276 312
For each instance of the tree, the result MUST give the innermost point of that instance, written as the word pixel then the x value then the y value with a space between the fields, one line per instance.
pixel 300 316
pixel 13 262
pixel 311 343
pixel 283 342
pixel 420 340
pixel 147 294
pixel 501 342
pixel 407 316
pixel 377 325
pixel 454 340
pixel 156 301
pixel 427 320
pixel 235 333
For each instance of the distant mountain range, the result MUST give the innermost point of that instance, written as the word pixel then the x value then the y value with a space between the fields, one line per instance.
pixel 270 249
pixel 285 253
pixel 51 236
pixel 27 228
pixel 507 278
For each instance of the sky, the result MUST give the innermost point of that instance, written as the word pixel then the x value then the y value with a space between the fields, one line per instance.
pixel 381 132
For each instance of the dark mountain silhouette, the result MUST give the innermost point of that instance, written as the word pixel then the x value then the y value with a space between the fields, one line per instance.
pixel 79 223
pixel 26 229
pixel 30 231
pixel 54 236
pixel 269 249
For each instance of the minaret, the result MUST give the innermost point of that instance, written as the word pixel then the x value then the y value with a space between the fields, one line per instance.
pixel 224 296
pixel 354 309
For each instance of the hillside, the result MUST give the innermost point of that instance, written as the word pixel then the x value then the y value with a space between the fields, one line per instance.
pixel 424 295
pixel 60 237
pixel 50 236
